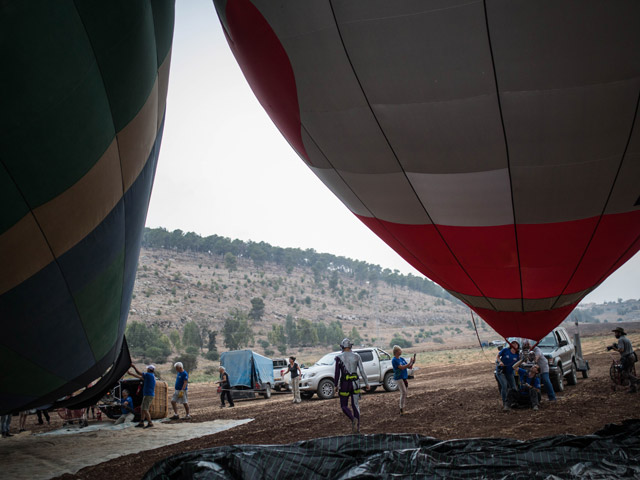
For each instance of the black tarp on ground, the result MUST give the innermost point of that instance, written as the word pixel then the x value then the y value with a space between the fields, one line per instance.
pixel 613 452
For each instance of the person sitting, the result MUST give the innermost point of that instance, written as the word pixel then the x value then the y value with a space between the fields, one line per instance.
pixel 528 395
pixel 126 407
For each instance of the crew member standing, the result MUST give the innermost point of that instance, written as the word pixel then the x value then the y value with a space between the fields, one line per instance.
pixel 295 371
pixel 346 378
pixel 180 394
pixel 627 358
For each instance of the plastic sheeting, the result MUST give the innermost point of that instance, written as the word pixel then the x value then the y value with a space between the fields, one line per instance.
pixel 246 367
pixel 613 452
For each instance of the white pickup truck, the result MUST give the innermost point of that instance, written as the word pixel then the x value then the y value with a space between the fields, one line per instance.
pixel 319 377
pixel 281 382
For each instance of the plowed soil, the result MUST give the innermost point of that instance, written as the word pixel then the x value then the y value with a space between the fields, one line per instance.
pixel 446 402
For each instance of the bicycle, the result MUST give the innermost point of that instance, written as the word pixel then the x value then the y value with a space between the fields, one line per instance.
pixel 615 372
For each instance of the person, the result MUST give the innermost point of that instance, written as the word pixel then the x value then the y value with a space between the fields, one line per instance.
pixel 346 379
pixel 180 394
pixel 505 360
pixel 148 392
pixel 126 407
pixel 543 368
pixel 5 425
pixel 225 387
pixel 296 373
pixel 40 413
pixel 627 358
pixel 401 375
pixel 529 392
pixel 22 421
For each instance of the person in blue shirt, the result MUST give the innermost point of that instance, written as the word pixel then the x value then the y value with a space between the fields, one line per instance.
pixel 180 394
pixel 400 374
pixel 529 392
pixel 506 359
pixel 148 392
pixel 126 407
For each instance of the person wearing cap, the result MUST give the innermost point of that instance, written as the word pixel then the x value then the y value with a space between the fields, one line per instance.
pixel 627 358
pixel 148 392
pixel 543 367
pixel 346 378
pixel 180 394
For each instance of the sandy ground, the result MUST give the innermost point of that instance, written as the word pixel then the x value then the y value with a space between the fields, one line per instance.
pixel 449 401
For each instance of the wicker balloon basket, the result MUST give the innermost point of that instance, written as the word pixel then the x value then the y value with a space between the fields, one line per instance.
pixel 160 405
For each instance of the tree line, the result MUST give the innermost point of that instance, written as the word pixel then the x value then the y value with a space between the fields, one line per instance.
pixel 261 252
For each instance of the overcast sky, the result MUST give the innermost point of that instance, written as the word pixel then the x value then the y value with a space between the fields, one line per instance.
pixel 225 169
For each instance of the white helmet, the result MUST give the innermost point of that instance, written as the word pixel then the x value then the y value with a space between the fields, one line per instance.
pixel 346 343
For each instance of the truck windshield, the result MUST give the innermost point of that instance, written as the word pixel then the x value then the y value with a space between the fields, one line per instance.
pixel 328 359
pixel 548 341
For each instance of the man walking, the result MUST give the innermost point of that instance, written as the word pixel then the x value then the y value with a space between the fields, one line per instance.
pixel 346 378
pixel 180 394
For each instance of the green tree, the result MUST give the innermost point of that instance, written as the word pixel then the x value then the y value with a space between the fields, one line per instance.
pixel 236 331
pixel 175 339
pixel 355 336
pixel 307 335
pixel 211 340
pixel 277 336
pixel 291 329
pixel 257 309
pixel 333 281
pixel 191 335
pixel 142 338
pixel 230 262
pixel 189 361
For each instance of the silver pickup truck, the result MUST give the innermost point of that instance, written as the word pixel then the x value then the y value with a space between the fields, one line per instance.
pixel 319 377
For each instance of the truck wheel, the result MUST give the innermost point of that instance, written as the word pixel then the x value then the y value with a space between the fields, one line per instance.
pixel 306 395
pixel 389 383
pixel 572 379
pixel 267 392
pixel 325 389
pixel 557 380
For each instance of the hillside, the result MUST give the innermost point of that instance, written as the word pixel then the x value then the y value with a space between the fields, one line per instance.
pixel 183 284
pixel 174 288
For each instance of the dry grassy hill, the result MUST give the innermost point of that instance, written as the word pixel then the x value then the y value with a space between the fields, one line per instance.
pixel 174 288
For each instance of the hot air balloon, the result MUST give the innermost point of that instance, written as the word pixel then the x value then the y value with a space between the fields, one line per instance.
pixel 83 99
pixel 494 145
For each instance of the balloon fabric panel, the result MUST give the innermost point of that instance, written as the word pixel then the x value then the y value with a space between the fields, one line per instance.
pixel 490 160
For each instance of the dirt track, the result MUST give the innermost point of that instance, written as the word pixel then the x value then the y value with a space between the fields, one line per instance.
pixel 444 402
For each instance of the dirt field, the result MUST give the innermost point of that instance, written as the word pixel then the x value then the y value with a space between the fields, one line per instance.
pixel 458 400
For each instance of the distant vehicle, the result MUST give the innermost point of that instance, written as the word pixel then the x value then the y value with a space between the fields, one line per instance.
pixel 496 343
pixel 249 373
pixel 282 381
pixel 319 378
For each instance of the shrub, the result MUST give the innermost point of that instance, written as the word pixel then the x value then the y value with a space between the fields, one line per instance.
pixel 191 350
pixel 189 361
pixel 155 354
pixel 212 355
